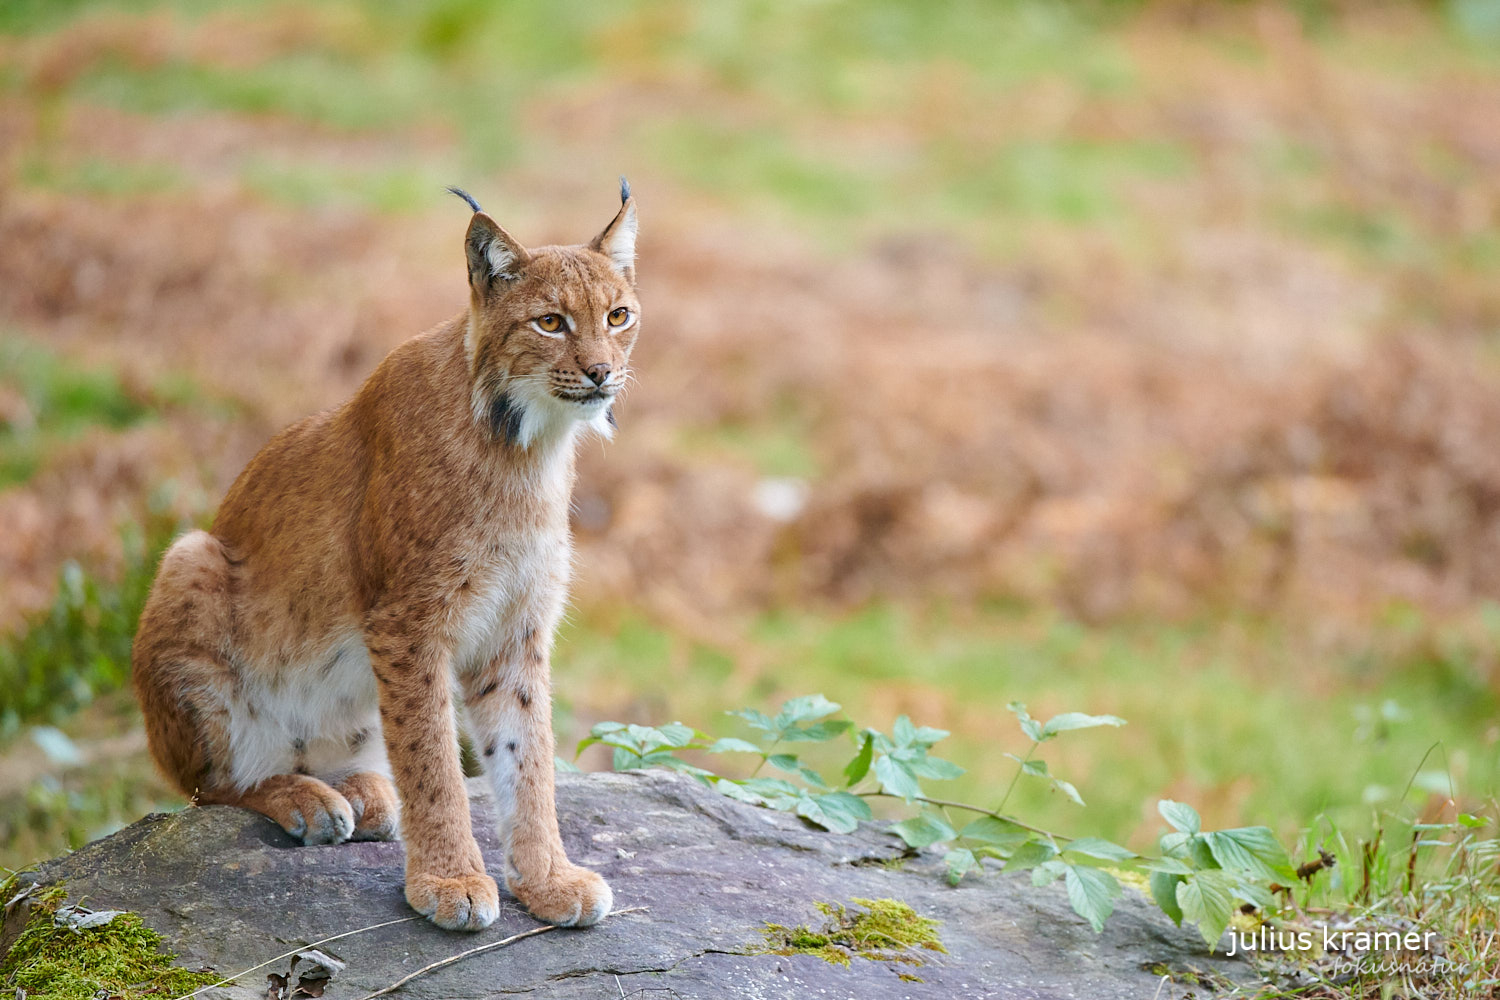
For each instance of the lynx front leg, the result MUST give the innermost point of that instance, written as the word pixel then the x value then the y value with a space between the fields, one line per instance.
pixel 510 709
pixel 445 878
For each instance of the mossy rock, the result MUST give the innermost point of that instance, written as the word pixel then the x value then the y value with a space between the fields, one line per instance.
pixel 120 957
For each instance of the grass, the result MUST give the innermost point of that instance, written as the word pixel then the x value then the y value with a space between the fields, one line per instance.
pixel 52 401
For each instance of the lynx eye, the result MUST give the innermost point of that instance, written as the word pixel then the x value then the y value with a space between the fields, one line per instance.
pixel 619 316
pixel 550 323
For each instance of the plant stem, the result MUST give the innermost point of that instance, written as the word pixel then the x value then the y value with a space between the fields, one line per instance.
pixel 1017 776
pixel 945 803
pixel 765 756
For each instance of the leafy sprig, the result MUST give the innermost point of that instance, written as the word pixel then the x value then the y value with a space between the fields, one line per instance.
pixel 1200 877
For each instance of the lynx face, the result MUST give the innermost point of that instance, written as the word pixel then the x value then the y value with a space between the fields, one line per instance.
pixel 550 329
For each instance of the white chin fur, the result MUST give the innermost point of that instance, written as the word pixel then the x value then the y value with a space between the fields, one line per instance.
pixel 545 418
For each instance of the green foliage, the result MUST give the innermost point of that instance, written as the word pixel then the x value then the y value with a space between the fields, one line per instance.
pixel 122 958
pixel 1200 877
pixel 80 648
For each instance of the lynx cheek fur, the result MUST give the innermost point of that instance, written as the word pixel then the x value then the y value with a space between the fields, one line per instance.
pixel 374 558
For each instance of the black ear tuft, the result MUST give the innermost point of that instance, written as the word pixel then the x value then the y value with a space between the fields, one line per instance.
pixel 624 190
pixel 466 196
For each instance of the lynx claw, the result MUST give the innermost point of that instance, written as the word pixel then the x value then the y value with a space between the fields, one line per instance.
pixel 466 903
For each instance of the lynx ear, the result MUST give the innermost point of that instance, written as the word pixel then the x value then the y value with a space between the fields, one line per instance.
pixel 493 254
pixel 617 242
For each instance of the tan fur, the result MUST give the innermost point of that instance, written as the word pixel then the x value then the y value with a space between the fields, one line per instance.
pixel 375 558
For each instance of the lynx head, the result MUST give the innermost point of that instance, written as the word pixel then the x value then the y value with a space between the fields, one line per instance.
pixel 550 328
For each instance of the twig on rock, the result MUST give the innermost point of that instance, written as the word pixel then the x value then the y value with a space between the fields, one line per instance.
pixel 484 947
pixel 315 944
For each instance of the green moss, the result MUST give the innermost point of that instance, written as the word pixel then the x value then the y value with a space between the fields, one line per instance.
pixel 121 959
pixel 883 930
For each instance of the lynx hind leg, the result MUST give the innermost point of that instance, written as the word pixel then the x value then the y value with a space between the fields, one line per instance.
pixel 377 810
pixel 183 688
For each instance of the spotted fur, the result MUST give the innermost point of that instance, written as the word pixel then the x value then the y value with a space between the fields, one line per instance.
pixel 375 559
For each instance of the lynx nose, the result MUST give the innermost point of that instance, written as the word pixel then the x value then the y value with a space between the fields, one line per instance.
pixel 598 373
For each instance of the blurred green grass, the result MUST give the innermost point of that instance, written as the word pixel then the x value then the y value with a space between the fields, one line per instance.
pixel 790 107
pixel 53 401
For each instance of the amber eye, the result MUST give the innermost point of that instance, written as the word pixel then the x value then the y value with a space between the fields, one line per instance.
pixel 550 323
pixel 619 316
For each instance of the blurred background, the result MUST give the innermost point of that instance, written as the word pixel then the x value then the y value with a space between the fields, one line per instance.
pixel 1136 358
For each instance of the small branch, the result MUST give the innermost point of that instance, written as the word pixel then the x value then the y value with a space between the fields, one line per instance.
pixel 970 808
pixel 484 947
pixel 303 947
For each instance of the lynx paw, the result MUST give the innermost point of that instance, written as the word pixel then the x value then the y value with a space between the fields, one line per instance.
pixel 570 896
pixel 466 903
pixel 316 814
pixel 377 811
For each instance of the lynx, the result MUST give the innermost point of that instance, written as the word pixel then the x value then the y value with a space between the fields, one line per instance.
pixel 377 559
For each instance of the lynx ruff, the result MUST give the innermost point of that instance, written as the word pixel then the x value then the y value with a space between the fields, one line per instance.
pixel 376 559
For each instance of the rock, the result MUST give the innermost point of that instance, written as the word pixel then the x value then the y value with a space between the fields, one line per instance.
pixel 228 889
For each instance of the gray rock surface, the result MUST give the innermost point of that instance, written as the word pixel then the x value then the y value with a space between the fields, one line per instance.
pixel 229 889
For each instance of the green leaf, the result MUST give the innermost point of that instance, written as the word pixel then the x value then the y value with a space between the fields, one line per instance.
pixel 1200 854
pixel 1048 872
pixel 959 861
pixel 1031 854
pixel 924 829
pixel 784 762
pixel 605 728
pixel 836 811
pixel 626 760
pixel 1174 844
pixel 1092 894
pixel 992 830
pixel 818 732
pixel 1096 847
pixel 1182 816
pixel 565 766
pixel 1471 821
pixel 758 720
pixel 1077 720
pixel 770 787
pixel 936 768
pixel 805 709
pixel 860 765
pixel 1066 787
pixel 1254 849
pixel 1035 768
pixel 896 778
pixel 926 736
pixel 729 744
pixel 1207 899
pixel 663 758
pixel 847 808
pixel 903 732
pixel 1029 726
pixel 676 734
pixel 1164 891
